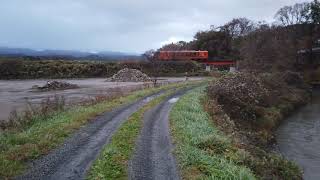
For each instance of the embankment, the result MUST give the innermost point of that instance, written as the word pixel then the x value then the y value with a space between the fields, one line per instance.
pixel 248 108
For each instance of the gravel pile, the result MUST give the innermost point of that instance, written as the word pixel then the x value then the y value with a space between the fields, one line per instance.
pixel 56 85
pixel 130 75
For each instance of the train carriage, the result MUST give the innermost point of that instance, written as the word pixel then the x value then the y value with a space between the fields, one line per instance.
pixel 198 56
pixel 182 55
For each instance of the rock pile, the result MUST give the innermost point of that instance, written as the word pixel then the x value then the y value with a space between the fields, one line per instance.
pixel 56 85
pixel 130 75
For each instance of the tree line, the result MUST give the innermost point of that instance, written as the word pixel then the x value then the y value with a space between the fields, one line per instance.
pixel 260 45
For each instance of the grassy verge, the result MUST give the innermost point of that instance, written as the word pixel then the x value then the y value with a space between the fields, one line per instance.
pixel 45 133
pixel 113 161
pixel 202 151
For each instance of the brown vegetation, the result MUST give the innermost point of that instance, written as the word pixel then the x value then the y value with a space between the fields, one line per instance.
pixel 259 46
pixel 248 107
pixel 27 69
pixel 18 120
pixel 259 101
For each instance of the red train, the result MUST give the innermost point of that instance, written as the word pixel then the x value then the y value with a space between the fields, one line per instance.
pixel 182 55
pixel 199 56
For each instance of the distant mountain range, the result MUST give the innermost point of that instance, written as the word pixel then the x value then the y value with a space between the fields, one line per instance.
pixel 69 54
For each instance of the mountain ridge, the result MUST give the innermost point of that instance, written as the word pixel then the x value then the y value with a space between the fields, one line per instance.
pixel 8 51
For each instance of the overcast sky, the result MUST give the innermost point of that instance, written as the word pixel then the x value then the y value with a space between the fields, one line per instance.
pixel 119 25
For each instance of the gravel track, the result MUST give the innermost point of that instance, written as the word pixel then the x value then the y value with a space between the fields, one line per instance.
pixel 153 158
pixel 73 159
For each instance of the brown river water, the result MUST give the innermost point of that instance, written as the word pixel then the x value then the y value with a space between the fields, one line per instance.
pixel 14 94
pixel 299 138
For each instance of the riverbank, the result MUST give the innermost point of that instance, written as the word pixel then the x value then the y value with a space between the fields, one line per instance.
pixel 249 108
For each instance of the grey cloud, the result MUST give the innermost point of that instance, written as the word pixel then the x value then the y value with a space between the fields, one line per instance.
pixel 118 25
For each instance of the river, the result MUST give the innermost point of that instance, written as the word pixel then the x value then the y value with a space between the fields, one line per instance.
pixel 15 93
pixel 299 138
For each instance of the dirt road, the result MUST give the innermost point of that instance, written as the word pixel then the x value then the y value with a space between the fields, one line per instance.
pixel 74 157
pixel 153 158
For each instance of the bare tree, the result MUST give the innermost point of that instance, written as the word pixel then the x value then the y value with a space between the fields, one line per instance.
pixel 296 14
pixel 238 27
pixel 149 55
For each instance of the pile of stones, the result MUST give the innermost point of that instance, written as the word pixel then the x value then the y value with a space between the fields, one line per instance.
pixel 55 85
pixel 130 75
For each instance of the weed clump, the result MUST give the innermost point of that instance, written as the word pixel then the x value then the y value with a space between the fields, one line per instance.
pixel 19 120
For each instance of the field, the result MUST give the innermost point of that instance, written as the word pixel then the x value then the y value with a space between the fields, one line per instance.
pixel 56 69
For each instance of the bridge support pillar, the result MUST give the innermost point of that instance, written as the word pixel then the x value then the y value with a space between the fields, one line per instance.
pixel 208 68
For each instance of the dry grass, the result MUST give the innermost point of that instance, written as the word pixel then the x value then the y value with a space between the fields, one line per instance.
pixel 18 120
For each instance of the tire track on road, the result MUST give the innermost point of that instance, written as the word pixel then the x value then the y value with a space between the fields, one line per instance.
pixel 73 159
pixel 153 158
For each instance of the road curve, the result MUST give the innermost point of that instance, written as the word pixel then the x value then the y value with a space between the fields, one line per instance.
pixel 73 159
pixel 153 158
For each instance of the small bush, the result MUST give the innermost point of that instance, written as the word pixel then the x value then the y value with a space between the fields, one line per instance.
pixel 215 144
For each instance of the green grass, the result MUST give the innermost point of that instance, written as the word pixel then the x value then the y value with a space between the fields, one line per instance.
pixel 113 161
pixel 44 134
pixel 202 151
